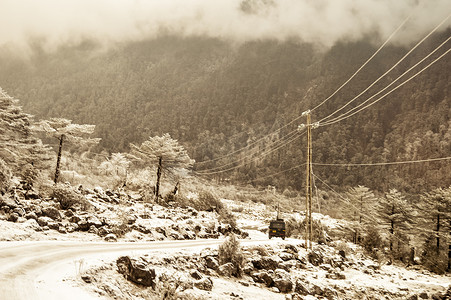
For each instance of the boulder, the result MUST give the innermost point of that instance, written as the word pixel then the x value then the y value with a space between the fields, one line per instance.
pixel 301 288
pixel 136 271
pixel 83 225
pixel 13 217
pixel 284 285
pixel 111 237
pixel 44 221
pixel 226 269
pixel 31 215
pixel 315 258
pixel 93 221
pixel 267 262
pixel 196 275
pixel 205 284
pixel 51 212
pixel 211 262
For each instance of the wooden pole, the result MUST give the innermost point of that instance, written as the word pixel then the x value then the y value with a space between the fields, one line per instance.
pixel 58 160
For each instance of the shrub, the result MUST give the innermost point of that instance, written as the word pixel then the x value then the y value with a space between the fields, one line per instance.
pixel 68 197
pixel 372 240
pixel 230 251
pixel 208 202
pixel 226 217
pixel 435 261
pixel 5 177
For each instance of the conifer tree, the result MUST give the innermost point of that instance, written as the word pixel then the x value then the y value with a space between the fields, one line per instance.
pixel 434 215
pixel 396 217
pixel 165 152
pixel 64 130
pixel 20 149
pixel 360 208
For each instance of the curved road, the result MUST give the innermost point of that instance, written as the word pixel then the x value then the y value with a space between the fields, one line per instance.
pixel 35 270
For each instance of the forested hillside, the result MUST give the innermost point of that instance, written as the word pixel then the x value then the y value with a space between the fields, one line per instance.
pixel 215 98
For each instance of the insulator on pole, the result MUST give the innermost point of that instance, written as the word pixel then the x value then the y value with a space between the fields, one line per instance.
pixel 305 113
pixel 301 127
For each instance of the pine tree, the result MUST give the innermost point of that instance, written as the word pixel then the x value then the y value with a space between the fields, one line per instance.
pixel 360 209
pixel 20 149
pixel 64 130
pixel 396 217
pixel 165 152
pixel 434 215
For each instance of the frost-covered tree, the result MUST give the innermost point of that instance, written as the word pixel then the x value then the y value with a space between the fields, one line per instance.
pixel 360 208
pixel 434 215
pixel 20 149
pixel 396 216
pixel 64 130
pixel 165 152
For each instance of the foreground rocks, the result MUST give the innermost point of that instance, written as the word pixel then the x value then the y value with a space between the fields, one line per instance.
pixel 284 269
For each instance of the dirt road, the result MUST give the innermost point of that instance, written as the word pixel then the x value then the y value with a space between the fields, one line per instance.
pixel 36 270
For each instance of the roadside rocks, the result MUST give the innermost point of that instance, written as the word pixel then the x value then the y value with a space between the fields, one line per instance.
pixel 136 271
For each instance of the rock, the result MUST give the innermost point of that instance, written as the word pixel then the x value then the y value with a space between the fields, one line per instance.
pixel 62 229
pixel 13 217
pixel 68 213
pixel 301 288
pixel 413 297
pixel 111 237
pixel 83 225
pixel 93 229
pixel 342 253
pixel 267 262
pixel 205 284
pixel 44 221
pixel 74 219
pixel 286 256
pixel 226 270
pixel 196 275
pixel 211 262
pixel 33 224
pixel 93 221
pixel 263 277
pixel 315 258
pixel 284 285
pixel 31 215
pixel 20 211
pixel 248 268
pixel 53 225
pixel 136 271
pixel 51 212
pixel 423 295
pixel 87 278
pixel 71 227
pixel 103 231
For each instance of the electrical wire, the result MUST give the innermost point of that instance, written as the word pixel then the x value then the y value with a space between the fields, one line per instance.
pixel 253 160
pixel 384 163
pixel 291 134
pixel 391 83
pixel 389 70
pixel 388 93
pixel 362 66
pixel 324 101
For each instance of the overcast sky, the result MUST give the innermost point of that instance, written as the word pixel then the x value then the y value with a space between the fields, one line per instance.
pixel 323 22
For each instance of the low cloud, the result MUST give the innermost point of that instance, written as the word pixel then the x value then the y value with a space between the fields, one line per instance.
pixel 61 22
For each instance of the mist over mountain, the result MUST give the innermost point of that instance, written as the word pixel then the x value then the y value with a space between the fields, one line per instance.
pixel 220 76
pixel 215 98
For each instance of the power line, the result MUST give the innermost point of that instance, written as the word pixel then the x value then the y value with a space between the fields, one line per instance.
pixel 362 66
pixel 281 140
pixel 389 70
pixel 384 163
pixel 393 82
pixel 324 101
pixel 253 160
pixel 389 92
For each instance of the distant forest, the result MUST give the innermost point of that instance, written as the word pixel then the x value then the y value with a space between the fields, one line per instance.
pixel 216 98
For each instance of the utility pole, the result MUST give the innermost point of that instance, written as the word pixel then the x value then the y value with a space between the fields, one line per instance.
pixel 308 181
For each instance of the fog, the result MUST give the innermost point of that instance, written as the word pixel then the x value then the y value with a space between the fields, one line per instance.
pixel 323 22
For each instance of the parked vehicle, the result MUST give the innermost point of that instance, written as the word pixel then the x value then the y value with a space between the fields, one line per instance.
pixel 277 228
